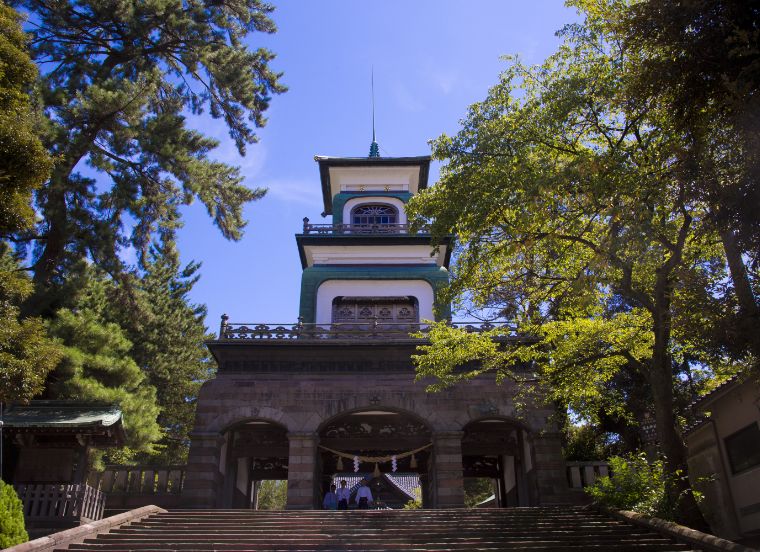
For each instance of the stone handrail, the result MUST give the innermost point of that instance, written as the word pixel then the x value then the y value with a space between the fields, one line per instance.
pixel 61 501
pixel 63 539
pixel 679 533
pixel 584 474
pixel 345 330
pixel 139 480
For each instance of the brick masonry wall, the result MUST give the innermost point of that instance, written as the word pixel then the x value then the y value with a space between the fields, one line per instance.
pixel 303 401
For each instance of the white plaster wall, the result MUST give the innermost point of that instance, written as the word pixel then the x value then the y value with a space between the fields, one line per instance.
pixel 353 202
pixel 381 178
pixel 329 290
pixel 373 254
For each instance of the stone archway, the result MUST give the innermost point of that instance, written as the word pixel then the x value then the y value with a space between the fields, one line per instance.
pixel 500 449
pixel 252 451
pixel 377 432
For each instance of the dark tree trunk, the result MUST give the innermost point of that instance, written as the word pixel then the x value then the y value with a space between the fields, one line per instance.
pixel 748 303
pixel 660 377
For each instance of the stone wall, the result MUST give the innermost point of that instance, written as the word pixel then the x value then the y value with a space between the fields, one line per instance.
pixel 303 401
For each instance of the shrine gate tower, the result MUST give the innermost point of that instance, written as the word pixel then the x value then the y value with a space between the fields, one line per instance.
pixel 299 402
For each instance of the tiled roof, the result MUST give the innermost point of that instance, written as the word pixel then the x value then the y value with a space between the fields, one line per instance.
pixel 61 414
pixel 407 483
pixel 712 394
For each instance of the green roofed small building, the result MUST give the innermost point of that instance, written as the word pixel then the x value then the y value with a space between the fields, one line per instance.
pixel 45 453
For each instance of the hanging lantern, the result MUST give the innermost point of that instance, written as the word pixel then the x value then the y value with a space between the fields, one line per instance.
pixel 413 462
pixel 339 466
pixel 376 473
pixel 394 464
pixel 356 464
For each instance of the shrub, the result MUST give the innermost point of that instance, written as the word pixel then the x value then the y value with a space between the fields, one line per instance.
pixel 636 484
pixel 12 530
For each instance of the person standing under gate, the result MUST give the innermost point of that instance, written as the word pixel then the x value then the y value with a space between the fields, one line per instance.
pixel 363 496
pixel 343 495
pixel 330 501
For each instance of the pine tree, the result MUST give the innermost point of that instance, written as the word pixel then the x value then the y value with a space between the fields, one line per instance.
pixel 97 366
pixel 168 333
pixel 120 79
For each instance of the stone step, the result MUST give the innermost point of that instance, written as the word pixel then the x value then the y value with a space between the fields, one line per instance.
pixel 154 533
pixel 529 530
pixel 419 540
pixel 548 546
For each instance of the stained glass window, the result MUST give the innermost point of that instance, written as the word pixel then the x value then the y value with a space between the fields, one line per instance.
pixel 374 214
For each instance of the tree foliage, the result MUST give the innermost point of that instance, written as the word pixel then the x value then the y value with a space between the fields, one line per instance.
pixel 702 64
pixel 576 219
pixel 27 354
pixel 118 82
pixel 24 163
pixel 637 484
pixel 117 85
pixel 12 531
pixel 168 334
pixel 273 494
pixel 97 366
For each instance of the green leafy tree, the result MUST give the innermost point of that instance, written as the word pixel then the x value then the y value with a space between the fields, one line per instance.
pixel 12 531
pixel 24 163
pixel 120 78
pixel 476 490
pixel 575 221
pixel 700 62
pixel 27 354
pixel 273 494
pixel 97 366
pixel 637 484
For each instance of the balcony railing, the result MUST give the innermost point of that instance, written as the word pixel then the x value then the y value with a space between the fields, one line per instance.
pixel 361 229
pixel 373 329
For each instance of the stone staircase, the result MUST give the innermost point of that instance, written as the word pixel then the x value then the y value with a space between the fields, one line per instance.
pixel 554 529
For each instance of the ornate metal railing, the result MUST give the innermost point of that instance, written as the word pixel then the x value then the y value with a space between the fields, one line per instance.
pixel 345 330
pixel 361 229
pixel 60 501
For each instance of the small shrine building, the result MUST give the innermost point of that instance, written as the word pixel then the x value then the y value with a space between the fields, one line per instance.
pixel 334 395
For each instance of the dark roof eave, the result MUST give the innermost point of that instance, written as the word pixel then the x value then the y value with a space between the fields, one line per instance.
pixel 325 162
pixel 213 344
pixel 364 239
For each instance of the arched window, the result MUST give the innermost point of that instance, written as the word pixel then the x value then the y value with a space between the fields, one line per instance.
pixel 374 214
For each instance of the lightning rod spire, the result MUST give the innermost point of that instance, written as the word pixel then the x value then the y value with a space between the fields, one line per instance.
pixel 374 149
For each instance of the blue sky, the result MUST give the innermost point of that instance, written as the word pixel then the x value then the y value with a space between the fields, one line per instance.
pixel 431 59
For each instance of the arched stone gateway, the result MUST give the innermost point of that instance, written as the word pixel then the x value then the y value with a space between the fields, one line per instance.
pixel 501 450
pixel 253 451
pixel 378 433
pixel 289 399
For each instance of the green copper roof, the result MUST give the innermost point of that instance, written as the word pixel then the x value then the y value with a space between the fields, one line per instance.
pixel 61 414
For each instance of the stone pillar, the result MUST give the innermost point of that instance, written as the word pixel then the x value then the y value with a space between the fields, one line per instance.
pixel 549 469
pixel 447 476
pixel 302 481
pixel 203 477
